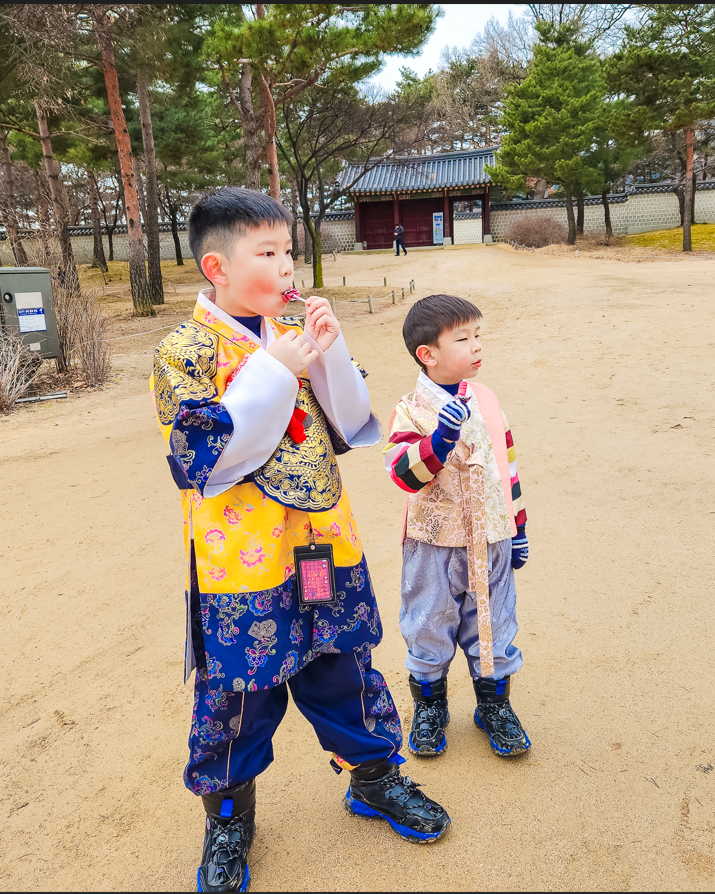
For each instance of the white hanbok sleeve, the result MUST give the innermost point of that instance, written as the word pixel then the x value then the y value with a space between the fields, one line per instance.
pixel 342 393
pixel 260 402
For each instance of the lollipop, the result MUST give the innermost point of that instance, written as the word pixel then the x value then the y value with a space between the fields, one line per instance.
pixel 462 392
pixel 293 295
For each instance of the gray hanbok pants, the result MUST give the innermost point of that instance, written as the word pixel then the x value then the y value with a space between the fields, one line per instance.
pixel 438 612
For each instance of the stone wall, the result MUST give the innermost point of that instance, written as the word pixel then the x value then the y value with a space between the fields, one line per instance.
pixel 83 245
pixel 646 208
pixel 338 235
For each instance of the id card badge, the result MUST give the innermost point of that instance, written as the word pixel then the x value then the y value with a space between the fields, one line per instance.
pixel 315 574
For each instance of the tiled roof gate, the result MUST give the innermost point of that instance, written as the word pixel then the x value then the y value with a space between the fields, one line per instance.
pixel 418 173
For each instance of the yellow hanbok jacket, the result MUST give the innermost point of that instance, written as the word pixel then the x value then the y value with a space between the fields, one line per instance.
pixel 250 493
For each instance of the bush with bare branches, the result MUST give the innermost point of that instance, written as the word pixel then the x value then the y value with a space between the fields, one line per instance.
pixel 536 231
pixel 92 352
pixel 81 323
pixel 18 368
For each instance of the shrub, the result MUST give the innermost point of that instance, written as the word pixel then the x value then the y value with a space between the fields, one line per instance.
pixel 92 352
pixel 536 231
pixel 18 367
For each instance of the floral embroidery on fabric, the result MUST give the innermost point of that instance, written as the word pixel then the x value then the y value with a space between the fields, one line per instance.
pixel 287 668
pixel 228 609
pixel 213 669
pixel 262 647
pixel 357 579
pixel 260 603
pixel 216 699
pixel 296 631
pixel 232 516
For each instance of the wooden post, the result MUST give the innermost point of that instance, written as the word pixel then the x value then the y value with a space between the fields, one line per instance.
pixel 358 226
pixel 447 221
pixel 332 304
pixel 393 297
pixel 403 294
pixel 384 280
pixel 486 222
pixel 344 283
pixel 370 304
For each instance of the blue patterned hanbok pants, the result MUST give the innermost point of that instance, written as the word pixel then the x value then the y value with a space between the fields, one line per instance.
pixel 345 699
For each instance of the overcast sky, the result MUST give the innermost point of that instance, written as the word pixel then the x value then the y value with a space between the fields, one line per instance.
pixel 457 27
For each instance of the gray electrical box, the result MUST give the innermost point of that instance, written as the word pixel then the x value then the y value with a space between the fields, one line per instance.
pixel 26 305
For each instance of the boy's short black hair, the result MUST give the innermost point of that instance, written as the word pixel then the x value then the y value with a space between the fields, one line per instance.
pixel 429 317
pixel 221 217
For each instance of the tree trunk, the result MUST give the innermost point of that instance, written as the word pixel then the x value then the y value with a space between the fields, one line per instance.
pixel 110 240
pixel 250 123
pixel 98 259
pixel 251 128
pixel 9 200
pixel 688 198
pixel 694 178
pixel 570 215
pixel 137 271
pixel 269 129
pixel 313 228
pixel 43 209
pixel 140 188
pixel 269 126
pixel 156 286
pixel 59 199
pixel 580 213
pixel 294 223
pixel 307 243
pixel 174 212
pixel 607 214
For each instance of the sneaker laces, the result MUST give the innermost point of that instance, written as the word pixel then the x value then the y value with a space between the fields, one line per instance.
pixel 505 713
pixel 429 719
pixel 228 844
pixel 409 791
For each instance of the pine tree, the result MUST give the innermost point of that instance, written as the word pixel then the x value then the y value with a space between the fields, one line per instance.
pixel 666 75
pixel 552 117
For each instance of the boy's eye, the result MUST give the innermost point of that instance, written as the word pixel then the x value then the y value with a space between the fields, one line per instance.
pixel 461 339
pixel 269 254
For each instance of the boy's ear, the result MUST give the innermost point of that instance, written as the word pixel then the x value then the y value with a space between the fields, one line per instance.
pixel 425 355
pixel 212 267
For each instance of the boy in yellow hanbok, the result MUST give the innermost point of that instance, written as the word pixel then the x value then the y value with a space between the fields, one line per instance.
pixel 254 408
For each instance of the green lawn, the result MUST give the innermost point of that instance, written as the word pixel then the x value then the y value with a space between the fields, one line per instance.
pixel 703 238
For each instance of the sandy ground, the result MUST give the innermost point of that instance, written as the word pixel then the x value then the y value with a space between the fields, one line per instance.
pixel 605 370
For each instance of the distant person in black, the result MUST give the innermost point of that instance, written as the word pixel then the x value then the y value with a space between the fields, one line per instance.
pixel 399 235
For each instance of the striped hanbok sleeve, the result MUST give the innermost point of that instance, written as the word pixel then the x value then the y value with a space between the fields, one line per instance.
pixel 516 495
pixel 409 457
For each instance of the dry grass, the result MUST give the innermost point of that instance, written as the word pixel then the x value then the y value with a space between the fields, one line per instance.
pixel 703 236
pixel 118 274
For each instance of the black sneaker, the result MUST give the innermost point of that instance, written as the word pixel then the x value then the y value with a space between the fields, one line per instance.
pixel 230 828
pixel 496 717
pixel 427 736
pixel 397 799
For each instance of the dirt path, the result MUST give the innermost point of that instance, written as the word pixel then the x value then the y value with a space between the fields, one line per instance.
pixel 606 372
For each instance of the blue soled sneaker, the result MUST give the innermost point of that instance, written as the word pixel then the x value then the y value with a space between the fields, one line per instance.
pixel 496 717
pixel 430 719
pixel 396 798
pixel 230 826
